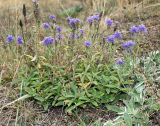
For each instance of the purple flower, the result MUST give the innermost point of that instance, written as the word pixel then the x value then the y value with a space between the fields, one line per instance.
pixel 52 17
pixel 110 39
pixel 134 29
pixel 90 19
pixel 94 18
pixel 10 38
pixel 73 22
pixel 46 25
pixel 87 43
pixel 58 29
pixel 48 41
pixel 142 28
pixel 19 40
pixel 118 35
pixel 128 45
pixel 119 62
pixel 109 22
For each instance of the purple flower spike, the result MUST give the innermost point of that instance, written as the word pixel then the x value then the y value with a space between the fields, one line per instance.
pixel 118 35
pixel 48 41
pixel 119 62
pixel 46 25
pixel 134 29
pixel 110 39
pixel 20 40
pixel 87 43
pixel 142 28
pixel 10 38
pixel 128 45
pixel 109 22
pixel 52 17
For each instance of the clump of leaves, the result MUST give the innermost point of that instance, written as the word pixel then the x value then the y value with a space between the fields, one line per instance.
pixel 88 85
pixel 137 110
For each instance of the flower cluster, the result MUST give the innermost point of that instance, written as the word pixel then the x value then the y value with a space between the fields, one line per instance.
pixel 52 17
pixel 117 35
pixel 109 22
pixel 128 45
pixel 140 28
pixel 119 61
pixel 93 18
pixel 78 32
pixel 46 25
pixel 112 38
pixel 10 38
pixel 73 22
pixel 87 43
pixel 19 40
pixel 48 41
pixel 58 29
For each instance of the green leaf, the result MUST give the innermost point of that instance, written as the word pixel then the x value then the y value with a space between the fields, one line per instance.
pixel 60 103
pixel 70 109
pixel 127 119
pixel 46 106
pixel 95 103
pixel 114 108
pixel 41 99
pixel 113 78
